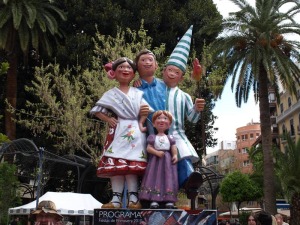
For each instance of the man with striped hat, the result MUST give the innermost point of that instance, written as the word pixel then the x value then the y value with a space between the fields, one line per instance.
pixel 181 106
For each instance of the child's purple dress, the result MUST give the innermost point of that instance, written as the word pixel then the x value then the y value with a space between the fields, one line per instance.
pixel 160 181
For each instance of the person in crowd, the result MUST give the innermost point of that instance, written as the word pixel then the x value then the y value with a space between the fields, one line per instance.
pixel 265 218
pixel 251 219
pixel 279 220
pixel 46 214
pixel 160 183
pixel 15 221
pixel 124 157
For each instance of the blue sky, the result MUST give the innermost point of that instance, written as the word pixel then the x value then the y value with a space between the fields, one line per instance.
pixel 230 117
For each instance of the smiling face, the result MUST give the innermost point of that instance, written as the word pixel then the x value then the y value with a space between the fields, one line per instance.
pixel 172 75
pixel 146 65
pixel 124 73
pixel 162 121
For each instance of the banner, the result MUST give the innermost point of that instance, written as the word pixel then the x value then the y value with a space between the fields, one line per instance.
pixel 155 217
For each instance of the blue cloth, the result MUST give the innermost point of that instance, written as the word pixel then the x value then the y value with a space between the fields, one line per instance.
pixel 155 95
pixel 184 170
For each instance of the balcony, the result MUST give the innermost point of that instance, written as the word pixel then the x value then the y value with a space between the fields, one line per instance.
pixel 272 106
pixel 275 130
pixel 287 113
pixel 273 120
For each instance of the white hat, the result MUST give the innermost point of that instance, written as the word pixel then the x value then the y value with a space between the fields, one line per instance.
pixel 181 52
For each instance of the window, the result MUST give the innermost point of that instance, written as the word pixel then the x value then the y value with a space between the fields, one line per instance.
pixel 271 97
pixel 244 151
pixel 251 136
pixel 246 163
pixel 292 127
pixel 298 123
pixel 283 129
pixel 281 107
pixel 289 102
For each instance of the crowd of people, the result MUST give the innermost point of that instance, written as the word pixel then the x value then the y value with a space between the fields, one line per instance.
pixel 260 218
pixel 264 218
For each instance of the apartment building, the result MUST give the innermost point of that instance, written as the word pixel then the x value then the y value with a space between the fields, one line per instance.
pixel 288 116
pixel 246 137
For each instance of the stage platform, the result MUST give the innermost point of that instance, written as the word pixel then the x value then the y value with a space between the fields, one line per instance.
pixel 154 217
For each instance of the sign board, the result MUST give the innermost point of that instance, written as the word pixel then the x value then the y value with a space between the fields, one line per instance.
pixel 155 217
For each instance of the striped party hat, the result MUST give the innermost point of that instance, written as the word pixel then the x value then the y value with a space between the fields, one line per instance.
pixel 181 52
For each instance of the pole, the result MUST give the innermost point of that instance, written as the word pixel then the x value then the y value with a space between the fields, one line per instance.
pixel 40 174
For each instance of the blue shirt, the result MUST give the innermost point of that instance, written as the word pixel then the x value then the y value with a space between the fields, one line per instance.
pixel 155 95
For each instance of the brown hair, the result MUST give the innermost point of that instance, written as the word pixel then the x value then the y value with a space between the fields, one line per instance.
pixel 143 52
pixel 254 216
pixel 121 60
pixel 160 112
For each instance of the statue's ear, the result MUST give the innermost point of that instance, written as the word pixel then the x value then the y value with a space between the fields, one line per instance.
pixel 111 74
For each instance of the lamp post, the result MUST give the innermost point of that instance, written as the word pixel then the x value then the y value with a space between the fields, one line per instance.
pixel 40 175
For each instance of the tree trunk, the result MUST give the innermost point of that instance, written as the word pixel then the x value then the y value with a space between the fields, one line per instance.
pixel 295 209
pixel 11 95
pixel 266 133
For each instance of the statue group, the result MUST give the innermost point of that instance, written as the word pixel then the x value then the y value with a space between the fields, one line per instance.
pixel 146 136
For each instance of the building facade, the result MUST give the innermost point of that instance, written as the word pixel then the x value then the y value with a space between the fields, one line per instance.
pixel 245 136
pixel 288 116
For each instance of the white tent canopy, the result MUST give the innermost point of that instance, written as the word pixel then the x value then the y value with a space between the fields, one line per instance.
pixel 67 203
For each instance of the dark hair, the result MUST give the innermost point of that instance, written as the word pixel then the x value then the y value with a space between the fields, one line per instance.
pixel 264 218
pixel 253 215
pixel 121 60
pixel 143 52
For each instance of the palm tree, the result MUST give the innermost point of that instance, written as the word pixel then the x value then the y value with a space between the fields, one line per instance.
pixel 289 174
pixel 258 55
pixel 25 25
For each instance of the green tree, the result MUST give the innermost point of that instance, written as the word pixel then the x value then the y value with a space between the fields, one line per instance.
pixel 238 187
pixel 60 110
pixel 9 196
pixel 164 20
pixel 258 56
pixel 256 158
pixel 3 69
pixel 25 25
pixel 289 174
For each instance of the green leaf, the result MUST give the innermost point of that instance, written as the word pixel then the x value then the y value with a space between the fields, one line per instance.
pixel 34 38
pixel 4 16
pixel 4 37
pixel 31 12
pixel 17 14
pixel 24 36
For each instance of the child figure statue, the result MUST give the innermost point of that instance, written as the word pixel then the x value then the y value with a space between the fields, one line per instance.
pixel 160 182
